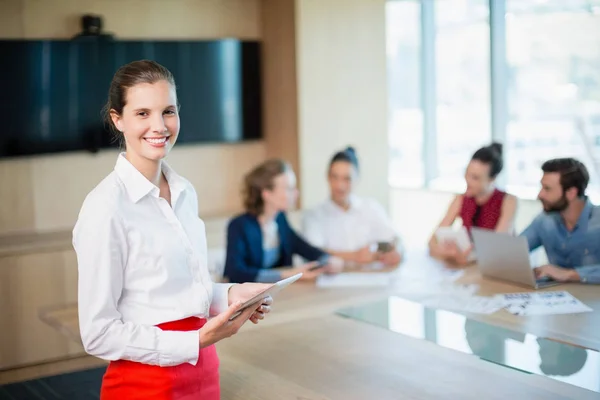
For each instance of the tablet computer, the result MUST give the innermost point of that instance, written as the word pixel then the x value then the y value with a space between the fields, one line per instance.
pixel 270 291
pixel 460 237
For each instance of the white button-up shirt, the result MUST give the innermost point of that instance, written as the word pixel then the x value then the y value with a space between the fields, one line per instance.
pixel 330 227
pixel 142 262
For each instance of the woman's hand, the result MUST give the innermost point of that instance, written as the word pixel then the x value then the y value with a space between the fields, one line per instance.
pixel 453 254
pixel 308 274
pixel 220 327
pixel 364 255
pixel 390 258
pixel 246 291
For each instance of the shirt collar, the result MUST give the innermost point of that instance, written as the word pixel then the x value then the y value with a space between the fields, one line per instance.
pixel 584 217
pixel 138 186
pixel 355 203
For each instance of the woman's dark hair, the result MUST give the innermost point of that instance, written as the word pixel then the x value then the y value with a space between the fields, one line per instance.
pixel 129 75
pixel 347 155
pixel 259 179
pixel 491 155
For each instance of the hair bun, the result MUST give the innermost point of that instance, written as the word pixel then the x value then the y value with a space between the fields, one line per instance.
pixel 497 148
pixel 350 150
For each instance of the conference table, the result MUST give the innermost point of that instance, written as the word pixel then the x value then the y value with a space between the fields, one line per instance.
pixel 378 341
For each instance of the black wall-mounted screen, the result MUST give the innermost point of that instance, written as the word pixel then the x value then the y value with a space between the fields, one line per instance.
pixel 53 91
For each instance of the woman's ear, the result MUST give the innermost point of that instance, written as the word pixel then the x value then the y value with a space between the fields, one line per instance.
pixel 116 119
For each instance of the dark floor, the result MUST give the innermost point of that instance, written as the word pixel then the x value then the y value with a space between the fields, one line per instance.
pixel 81 385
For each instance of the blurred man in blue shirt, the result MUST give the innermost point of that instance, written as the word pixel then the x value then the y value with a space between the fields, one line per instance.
pixel 569 227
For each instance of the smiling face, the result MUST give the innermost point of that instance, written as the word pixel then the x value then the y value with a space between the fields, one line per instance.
pixel 149 121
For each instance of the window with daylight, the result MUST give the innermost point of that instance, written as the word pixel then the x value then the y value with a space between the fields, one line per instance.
pixel 405 113
pixel 553 59
pixel 463 73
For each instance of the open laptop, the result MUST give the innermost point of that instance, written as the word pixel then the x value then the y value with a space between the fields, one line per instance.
pixel 506 257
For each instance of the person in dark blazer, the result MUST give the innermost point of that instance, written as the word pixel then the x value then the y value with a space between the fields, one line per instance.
pixel 261 242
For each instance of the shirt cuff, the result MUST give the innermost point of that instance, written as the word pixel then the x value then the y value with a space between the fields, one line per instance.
pixel 176 348
pixel 220 299
pixel 589 274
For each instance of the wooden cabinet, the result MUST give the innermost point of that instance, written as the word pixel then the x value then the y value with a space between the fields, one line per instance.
pixel 30 282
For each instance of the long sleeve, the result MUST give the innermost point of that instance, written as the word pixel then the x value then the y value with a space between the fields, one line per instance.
pixel 100 242
pixel 220 299
pixel 237 268
pixel 532 234
pixel 589 273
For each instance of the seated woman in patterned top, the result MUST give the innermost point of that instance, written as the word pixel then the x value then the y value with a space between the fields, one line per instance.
pixel 482 205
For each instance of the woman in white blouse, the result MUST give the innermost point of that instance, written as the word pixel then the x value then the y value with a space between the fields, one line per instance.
pixel 144 288
pixel 347 226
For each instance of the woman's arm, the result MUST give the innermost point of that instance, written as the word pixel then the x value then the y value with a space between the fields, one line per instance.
pixel 508 212
pixel 237 268
pixel 100 242
pixel 435 250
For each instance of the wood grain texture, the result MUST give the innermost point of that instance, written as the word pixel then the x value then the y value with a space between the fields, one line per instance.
pixel 278 22
pixel 137 19
pixel 342 93
pixel 17 212
pixel 337 358
pixel 28 283
pixel 304 350
pixel 45 193
pixel 11 19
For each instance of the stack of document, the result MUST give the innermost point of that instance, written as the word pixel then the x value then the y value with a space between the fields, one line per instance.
pixel 470 304
pixel 542 303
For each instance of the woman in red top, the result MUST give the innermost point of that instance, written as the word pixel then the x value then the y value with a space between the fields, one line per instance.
pixel 482 205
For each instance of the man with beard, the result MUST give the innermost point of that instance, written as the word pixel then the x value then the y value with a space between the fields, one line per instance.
pixel 569 227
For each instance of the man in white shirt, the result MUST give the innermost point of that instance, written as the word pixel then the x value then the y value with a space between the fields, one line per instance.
pixel 347 226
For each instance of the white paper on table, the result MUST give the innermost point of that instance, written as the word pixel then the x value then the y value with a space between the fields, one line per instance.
pixel 542 303
pixel 465 303
pixel 355 279
pixel 431 280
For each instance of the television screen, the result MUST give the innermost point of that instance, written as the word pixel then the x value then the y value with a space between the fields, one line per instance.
pixel 54 90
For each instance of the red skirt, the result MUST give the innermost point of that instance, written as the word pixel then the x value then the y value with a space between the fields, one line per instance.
pixel 128 380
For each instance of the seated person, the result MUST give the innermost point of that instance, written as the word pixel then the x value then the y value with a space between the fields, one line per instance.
pixel 261 239
pixel 569 226
pixel 348 226
pixel 482 205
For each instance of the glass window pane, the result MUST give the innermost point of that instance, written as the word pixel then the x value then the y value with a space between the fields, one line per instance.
pixel 553 55
pixel 463 86
pixel 403 29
